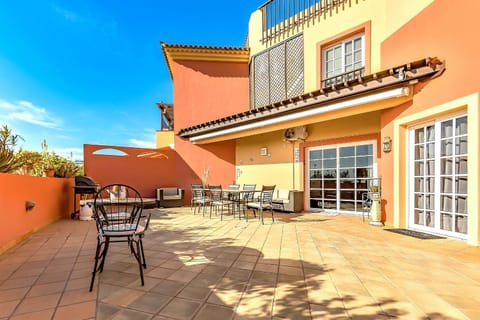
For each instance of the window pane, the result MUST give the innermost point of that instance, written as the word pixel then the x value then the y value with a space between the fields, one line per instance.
pixel 447 128
pixel 461 185
pixel 337 65
pixel 315 184
pixel 329 54
pixel 329 173
pixel 461 224
pixel 348 59
pixel 364 161
pixel 329 66
pixel 430 133
pixel 348 47
pixel 347 173
pixel 347 162
pixel 315 154
pixel 446 222
pixel 330 153
pixel 446 185
pixel 337 51
pixel 358 56
pixel 419 152
pixel 358 43
pixel 461 145
pixel 430 150
pixel 364 173
pixel 461 126
pixel 461 165
pixel 446 166
pixel 447 147
pixel 363 150
pixel 347 151
pixel 419 135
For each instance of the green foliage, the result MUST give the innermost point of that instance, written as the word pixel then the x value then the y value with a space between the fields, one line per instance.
pixel 32 163
pixel 8 141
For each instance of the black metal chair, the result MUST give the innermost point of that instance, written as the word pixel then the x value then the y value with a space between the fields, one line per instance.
pixel 199 198
pixel 264 202
pixel 118 213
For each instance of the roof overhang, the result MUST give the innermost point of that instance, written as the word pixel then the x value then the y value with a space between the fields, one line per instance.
pixel 377 91
pixel 173 52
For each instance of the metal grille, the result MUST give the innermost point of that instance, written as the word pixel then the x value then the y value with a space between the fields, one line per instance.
pixel 278 73
pixel 295 67
pixel 282 16
pixel 261 86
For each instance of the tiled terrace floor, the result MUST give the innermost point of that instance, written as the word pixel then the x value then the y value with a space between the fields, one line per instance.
pixel 312 266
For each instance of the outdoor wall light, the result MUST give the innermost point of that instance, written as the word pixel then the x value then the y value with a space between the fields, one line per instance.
pixel 387 144
pixel 29 204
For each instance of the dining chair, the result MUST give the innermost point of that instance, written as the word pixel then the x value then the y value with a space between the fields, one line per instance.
pixel 246 197
pixel 198 197
pixel 119 217
pixel 264 202
pixel 218 202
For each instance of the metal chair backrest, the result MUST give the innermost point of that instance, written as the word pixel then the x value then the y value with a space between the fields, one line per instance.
pixel 117 209
pixel 249 195
pixel 197 191
pixel 234 186
pixel 267 194
pixel 215 192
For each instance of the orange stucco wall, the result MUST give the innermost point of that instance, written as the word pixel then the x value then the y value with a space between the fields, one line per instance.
pixel 206 90
pixel 448 32
pixel 203 91
pixel 53 199
pixel 143 173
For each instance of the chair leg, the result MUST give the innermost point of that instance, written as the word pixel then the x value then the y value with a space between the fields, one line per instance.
pixel 261 214
pixel 104 253
pixel 97 257
pixel 142 255
pixel 137 254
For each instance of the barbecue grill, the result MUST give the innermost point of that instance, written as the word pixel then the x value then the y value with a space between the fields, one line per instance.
pixel 84 186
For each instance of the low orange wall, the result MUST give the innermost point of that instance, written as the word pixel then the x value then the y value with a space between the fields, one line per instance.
pixel 53 199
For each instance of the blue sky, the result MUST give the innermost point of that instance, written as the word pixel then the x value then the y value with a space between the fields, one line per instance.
pixel 90 72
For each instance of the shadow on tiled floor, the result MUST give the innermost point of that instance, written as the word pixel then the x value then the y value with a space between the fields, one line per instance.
pixel 307 266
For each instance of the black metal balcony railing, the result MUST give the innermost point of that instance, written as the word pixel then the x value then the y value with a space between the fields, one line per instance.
pixel 343 77
pixel 282 16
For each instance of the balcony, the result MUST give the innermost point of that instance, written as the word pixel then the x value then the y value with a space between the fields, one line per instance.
pixel 283 16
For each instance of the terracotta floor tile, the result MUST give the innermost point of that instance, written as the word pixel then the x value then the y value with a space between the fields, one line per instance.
pixel 38 303
pixel 214 312
pixel 180 309
pixel 344 271
pixel 83 310
pixel 7 308
pixel 44 314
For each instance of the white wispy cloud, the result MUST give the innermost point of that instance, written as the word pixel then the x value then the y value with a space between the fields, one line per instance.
pixel 142 143
pixel 70 153
pixel 68 15
pixel 27 112
pixel 103 24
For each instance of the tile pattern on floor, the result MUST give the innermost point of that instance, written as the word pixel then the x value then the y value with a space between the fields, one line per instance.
pixel 304 266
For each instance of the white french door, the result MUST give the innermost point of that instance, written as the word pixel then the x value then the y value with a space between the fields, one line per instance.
pixel 438 177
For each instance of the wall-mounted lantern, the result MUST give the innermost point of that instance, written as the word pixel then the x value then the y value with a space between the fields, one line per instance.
pixel 387 144
pixel 29 204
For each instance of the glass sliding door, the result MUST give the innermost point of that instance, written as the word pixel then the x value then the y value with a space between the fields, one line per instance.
pixel 338 175
pixel 439 184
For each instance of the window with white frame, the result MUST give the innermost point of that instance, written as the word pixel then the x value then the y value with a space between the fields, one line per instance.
pixel 344 61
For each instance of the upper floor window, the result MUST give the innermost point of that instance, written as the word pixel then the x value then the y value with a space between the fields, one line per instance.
pixel 344 61
pixel 276 74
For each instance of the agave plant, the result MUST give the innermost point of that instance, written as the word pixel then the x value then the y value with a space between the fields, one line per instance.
pixel 8 141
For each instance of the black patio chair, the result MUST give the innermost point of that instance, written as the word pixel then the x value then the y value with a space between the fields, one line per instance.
pixel 119 217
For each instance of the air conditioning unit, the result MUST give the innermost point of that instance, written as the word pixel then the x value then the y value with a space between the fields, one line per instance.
pixel 294 134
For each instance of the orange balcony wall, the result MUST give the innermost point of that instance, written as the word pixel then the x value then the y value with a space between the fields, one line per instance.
pixel 53 198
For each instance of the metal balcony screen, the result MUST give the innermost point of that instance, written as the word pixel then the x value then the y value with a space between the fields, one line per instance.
pixel 283 16
pixel 277 73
